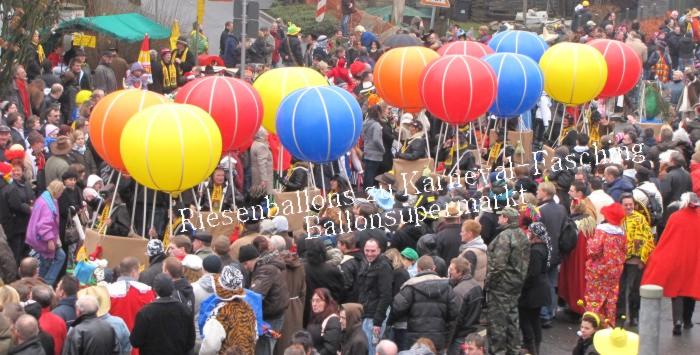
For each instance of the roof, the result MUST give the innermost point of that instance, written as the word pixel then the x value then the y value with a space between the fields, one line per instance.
pixel 130 27
pixel 384 12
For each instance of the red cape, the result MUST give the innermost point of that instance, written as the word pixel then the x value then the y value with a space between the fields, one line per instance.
pixel 675 263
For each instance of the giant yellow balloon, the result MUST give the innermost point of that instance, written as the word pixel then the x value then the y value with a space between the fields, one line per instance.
pixel 276 84
pixel 171 147
pixel 573 73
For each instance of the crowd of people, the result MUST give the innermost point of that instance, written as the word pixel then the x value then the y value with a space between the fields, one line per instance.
pixel 461 281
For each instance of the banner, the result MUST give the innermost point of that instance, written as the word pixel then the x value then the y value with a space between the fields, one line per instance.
pixel 200 11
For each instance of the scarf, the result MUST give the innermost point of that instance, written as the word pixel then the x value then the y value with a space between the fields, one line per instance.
pixel 103 217
pixel 80 150
pixel 50 203
pixel 169 75
pixel 539 230
pixel 183 56
pixel 216 196
pixel 24 96
pixel 40 52
pixel 661 69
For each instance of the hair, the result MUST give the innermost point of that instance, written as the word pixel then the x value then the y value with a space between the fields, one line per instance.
pixel 128 265
pixel 580 186
pixel 303 338
pixel 295 349
pixel 221 245
pixel 55 188
pixel 12 118
pixel 27 327
pixel 426 263
pixel 182 241
pixel 262 244
pixel 43 295
pixel 87 304
pixel 174 267
pixel 582 139
pixel 472 226
pixel 331 305
pixel 70 285
pixel 596 183
pixel 28 267
pixel 8 295
pixel 427 343
pixel 626 195
pixel 590 319
pixel 548 188
pixel 394 257
pixel 348 240
pixel 315 251
pixel 613 171
pixel 462 265
pixel 192 275
pixel 477 339
pixel 34 136
pixel 677 159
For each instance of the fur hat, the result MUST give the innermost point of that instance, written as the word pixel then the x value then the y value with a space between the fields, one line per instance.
pixel 61 146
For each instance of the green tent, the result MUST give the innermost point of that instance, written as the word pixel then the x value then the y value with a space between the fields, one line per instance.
pixel 384 12
pixel 129 27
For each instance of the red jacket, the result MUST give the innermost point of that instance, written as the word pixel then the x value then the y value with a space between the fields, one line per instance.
pixel 128 297
pixel 54 326
pixel 695 176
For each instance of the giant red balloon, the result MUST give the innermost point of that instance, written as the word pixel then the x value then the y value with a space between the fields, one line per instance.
pixel 234 104
pixel 458 88
pixel 472 48
pixel 624 66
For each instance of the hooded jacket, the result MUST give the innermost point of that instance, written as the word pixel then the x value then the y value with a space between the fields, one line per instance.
pixel 183 293
pixel 295 278
pixel 470 296
pixel 349 267
pixel 431 306
pixel 354 339
pixel 374 285
pixel 476 252
pixel 372 140
pixel 268 279
pixel 618 187
pixel 155 268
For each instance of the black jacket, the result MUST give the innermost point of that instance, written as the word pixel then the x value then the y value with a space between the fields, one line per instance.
pixel 329 343
pixel 164 326
pixel 489 226
pixel 676 182
pixel 155 268
pixel 407 236
pixel 17 208
pixel 29 347
pixel 553 217
pixel 268 280
pixel 290 51
pixel 298 180
pixel 222 42
pixel 535 291
pixel 431 306
pixel 448 240
pixel 469 295
pixel 90 335
pixel 374 287
pixel 322 275
pixel 415 149
pixel 350 269
pixel 183 293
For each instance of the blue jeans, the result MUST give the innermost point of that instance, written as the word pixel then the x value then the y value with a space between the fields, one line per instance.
pixel 344 22
pixel 367 325
pixel 50 268
pixel 549 312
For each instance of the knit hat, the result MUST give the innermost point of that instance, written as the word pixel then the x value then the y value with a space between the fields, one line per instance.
pixel 93 179
pixel 212 264
pixel 281 224
pixel 613 213
pixel 89 193
pixel 228 283
pixel 163 285
pixel 247 252
pixel 410 254
pixel 154 247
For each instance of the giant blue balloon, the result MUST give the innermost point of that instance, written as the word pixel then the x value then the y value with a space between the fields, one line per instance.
pixel 520 83
pixel 520 42
pixel 319 124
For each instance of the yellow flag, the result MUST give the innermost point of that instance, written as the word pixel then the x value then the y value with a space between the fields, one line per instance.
pixel 200 11
pixel 174 34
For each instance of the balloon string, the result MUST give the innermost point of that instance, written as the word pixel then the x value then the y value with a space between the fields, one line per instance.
pixel 442 137
pixel 505 142
pixel 116 187
pixel 99 204
pixel 551 123
pixel 323 179
pixel 427 144
pixel 133 206
pixel 313 175
pixel 153 208
pixel 170 213
pixel 485 134
pixel 230 182
pixel 456 162
pixel 280 156
pixel 478 149
pixel 145 204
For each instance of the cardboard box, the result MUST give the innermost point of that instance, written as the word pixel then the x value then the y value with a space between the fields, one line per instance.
pixel 513 138
pixel 413 169
pixel 299 202
pixel 114 249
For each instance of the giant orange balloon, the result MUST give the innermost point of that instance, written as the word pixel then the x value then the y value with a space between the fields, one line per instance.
pixel 109 117
pixel 397 76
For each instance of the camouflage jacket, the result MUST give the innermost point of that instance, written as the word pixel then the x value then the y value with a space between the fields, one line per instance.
pixel 508 259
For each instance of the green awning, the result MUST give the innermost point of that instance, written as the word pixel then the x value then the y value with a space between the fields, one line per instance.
pixel 129 27
pixel 384 12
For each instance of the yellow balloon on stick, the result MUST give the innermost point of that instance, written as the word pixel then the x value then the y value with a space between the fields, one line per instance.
pixel 171 147
pixel 274 85
pixel 573 73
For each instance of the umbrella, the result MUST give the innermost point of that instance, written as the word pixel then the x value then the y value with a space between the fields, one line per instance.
pixel 402 40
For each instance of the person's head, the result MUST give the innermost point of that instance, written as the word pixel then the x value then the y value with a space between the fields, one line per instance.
pixel 86 305
pixel 425 263
pixel 589 325
pixel 262 243
pixel 201 240
pixel 347 242
pixel 459 267
pixel 323 304
pixel 577 190
pixel 107 57
pixel 78 138
pixel 26 327
pixel 387 347
pixel 470 230
pixel 303 339
pixel 17 171
pixel 611 173
pixel 221 245
pixel 166 55
pixel 20 73
pixel 53 114
pixel 173 267
pixel 69 178
pixel 15 120
pixel 219 176
pixel 76 65
pixel 228 26
pixel 372 250
pixel 627 202
pixel 180 245
pixel 67 287
pixel 8 295
pixel 43 295
pixel 163 285
pixel 29 267
pixel 507 216
pixel 475 344
pixel 129 267
pixel 677 159
pixel 56 188
pixel 545 191
pixel 248 256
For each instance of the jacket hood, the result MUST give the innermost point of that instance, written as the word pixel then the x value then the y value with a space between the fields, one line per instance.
pixel 182 285
pixel 261 135
pixel 206 282
pixel 417 349
pixel 136 66
pixel 272 258
pixel 437 285
pixel 622 183
pixel 291 261
pixel 476 243
pixel 353 315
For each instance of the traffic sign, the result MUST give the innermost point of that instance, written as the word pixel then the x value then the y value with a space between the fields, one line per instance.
pixel 436 3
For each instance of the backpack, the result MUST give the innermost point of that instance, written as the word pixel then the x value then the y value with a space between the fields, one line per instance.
pixel 654 208
pixel 568 238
